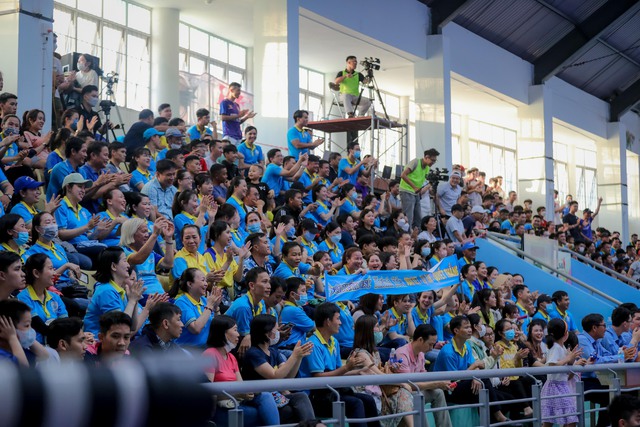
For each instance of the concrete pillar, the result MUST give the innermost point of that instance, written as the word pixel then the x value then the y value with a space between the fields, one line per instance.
pixel 535 150
pixel 612 181
pixel 276 62
pixel 27 51
pixel 432 93
pixel 164 59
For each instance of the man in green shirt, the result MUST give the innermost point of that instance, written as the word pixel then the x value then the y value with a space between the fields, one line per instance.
pixel 413 185
pixel 349 80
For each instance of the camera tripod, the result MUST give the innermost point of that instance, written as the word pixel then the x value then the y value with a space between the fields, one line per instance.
pixel 372 86
pixel 106 106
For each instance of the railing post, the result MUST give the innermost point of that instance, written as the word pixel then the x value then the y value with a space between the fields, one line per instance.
pixel 580 404
pixel 616 386
pixel 419 419
pixel 338 408
pixel 485 409
pixel 536 404
pixel 236 418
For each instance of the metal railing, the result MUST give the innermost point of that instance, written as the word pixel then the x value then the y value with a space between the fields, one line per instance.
pixel 338 417
pixel 498 238
pixel 594 264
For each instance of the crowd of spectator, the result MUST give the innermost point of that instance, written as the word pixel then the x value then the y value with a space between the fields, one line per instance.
pixel 207 247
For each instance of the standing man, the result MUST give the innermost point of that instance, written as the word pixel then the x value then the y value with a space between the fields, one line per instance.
pixel 232 116
pixel 349 80
pixel 164 110
pixel 134 138
pixel 572 223
pixel 299 140
pixel 412 185
pixel 587 218
pixel 448 193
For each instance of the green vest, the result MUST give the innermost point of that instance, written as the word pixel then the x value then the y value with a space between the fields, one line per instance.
pixel 350 85
pixel 416 177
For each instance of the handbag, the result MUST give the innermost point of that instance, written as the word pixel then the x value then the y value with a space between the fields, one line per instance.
pixel 75 291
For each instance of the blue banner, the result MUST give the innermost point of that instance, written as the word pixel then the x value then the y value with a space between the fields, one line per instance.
pixel 352 287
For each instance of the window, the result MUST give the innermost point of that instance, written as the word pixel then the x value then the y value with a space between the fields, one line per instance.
pixel 209 63
pixel 633 186
pixel 586 178
pixel 490 148
pixel 117 32
pixel 312 93
pixel 561 170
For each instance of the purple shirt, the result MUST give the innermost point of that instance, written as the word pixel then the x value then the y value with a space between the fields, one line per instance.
pixel 230 127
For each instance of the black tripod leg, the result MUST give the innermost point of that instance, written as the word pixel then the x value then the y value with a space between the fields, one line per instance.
pixel 355 107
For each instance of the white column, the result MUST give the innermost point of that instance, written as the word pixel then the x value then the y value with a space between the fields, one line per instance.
pixel 164 59
pixel 432 91
pixel 535 150
pixel 276 61
pixel 27 51
pixel 612 181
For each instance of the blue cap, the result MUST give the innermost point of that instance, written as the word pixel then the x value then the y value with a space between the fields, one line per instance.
pixel 468 246
pixel 26 183
pixel 151 132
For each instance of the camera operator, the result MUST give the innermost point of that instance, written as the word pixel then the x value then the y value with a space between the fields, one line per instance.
pixel 349 80
pixel 412 185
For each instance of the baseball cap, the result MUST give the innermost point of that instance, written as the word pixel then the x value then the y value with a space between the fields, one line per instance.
pixel 309 225
pixel 173 132
pixel 587 210
pixel 468 246
pixel 151 132
pixel 26 183
pixel 478 209
pixel 76 178
pixel 456 173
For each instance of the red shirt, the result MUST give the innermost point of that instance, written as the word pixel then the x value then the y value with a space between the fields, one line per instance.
pixel 223 369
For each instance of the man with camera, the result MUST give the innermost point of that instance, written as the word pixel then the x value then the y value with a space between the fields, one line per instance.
pixel 412 185
pixel 349 80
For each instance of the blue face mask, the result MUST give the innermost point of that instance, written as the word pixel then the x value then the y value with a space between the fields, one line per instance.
pixel 510 335
pixel 336 238
pixel 22 239
pixel 426 251
pixel 356 154
pixel 309 236
pixel 74 124
pixel 254 228
pixel 303 300
pixel 291 233
pixel 354 196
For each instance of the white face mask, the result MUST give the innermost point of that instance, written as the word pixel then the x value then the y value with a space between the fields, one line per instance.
pixel 275 340
pixel 483 331
pixel 228 346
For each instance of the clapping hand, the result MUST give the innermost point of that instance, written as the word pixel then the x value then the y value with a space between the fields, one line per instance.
pixel 155 299
pixel 52 204
pixel 302 350
pixel 135 291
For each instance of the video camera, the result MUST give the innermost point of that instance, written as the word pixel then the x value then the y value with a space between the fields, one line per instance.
pixel 437 175
pixel 370 63
pixel 111 78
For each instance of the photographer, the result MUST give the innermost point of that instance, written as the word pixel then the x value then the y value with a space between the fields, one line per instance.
pixel 349 80
pixel 412 185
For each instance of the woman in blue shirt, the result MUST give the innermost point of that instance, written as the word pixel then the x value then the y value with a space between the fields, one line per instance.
pixel 251 152
pixel 26 196
pixel 58 146
pixel 139 168
pixel 349 196
pixel 43 233
pixel 326 211
pixel 112 291
pixel 13 234
pixel 115 205
pixel 140 207
pixel 197 305
pixel 45 306
pixel 332 234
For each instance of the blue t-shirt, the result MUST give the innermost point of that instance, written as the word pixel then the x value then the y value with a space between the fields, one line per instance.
pixel 301 323
pixel 285 271
pixel 195 133
pixel 52 159
pixel 335 253
pixel 183 219
pixel 324 357
pixel 147 272
pixel 230 127
pixel 243 310
pixel 300 135
pixel 273 178
pixel 419 319
pixel 68 219
pixel 58 174
pixel 190 313
pixel 345 163
pixel 306 179
pixel 55 253
pixel 315 215
pixel 567 317
pixel 450 359
pixel 346 332
pixel 349 207
pixel 53 307
pixel 139 177
pixel 87 172
pixel 113 238
pixel 251 156
pixel 26 212
pixel 105 298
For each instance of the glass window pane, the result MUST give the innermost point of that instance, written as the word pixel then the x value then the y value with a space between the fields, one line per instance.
pixel 182 62
pixel 456 154
pixel 139 18
pixel 392 104
pixel 112 50
pixel 198 41
pixel 510 171
pixel 455 125
pixel 65 29
pixel 302 100
pixel 316 82
pixel 314 105
pixel 485 132
pixel 590 159
pixel 216 71
pixel 184 35
pixel 412 112
pixel 93 7
pixel 218 49
pixel 196 65
pixel 303 79
pixel 237 56
pixel 115 11
pixel 510 139
pixel 137 96
pixel 235 77
pixel 71 3
pixel 87 36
